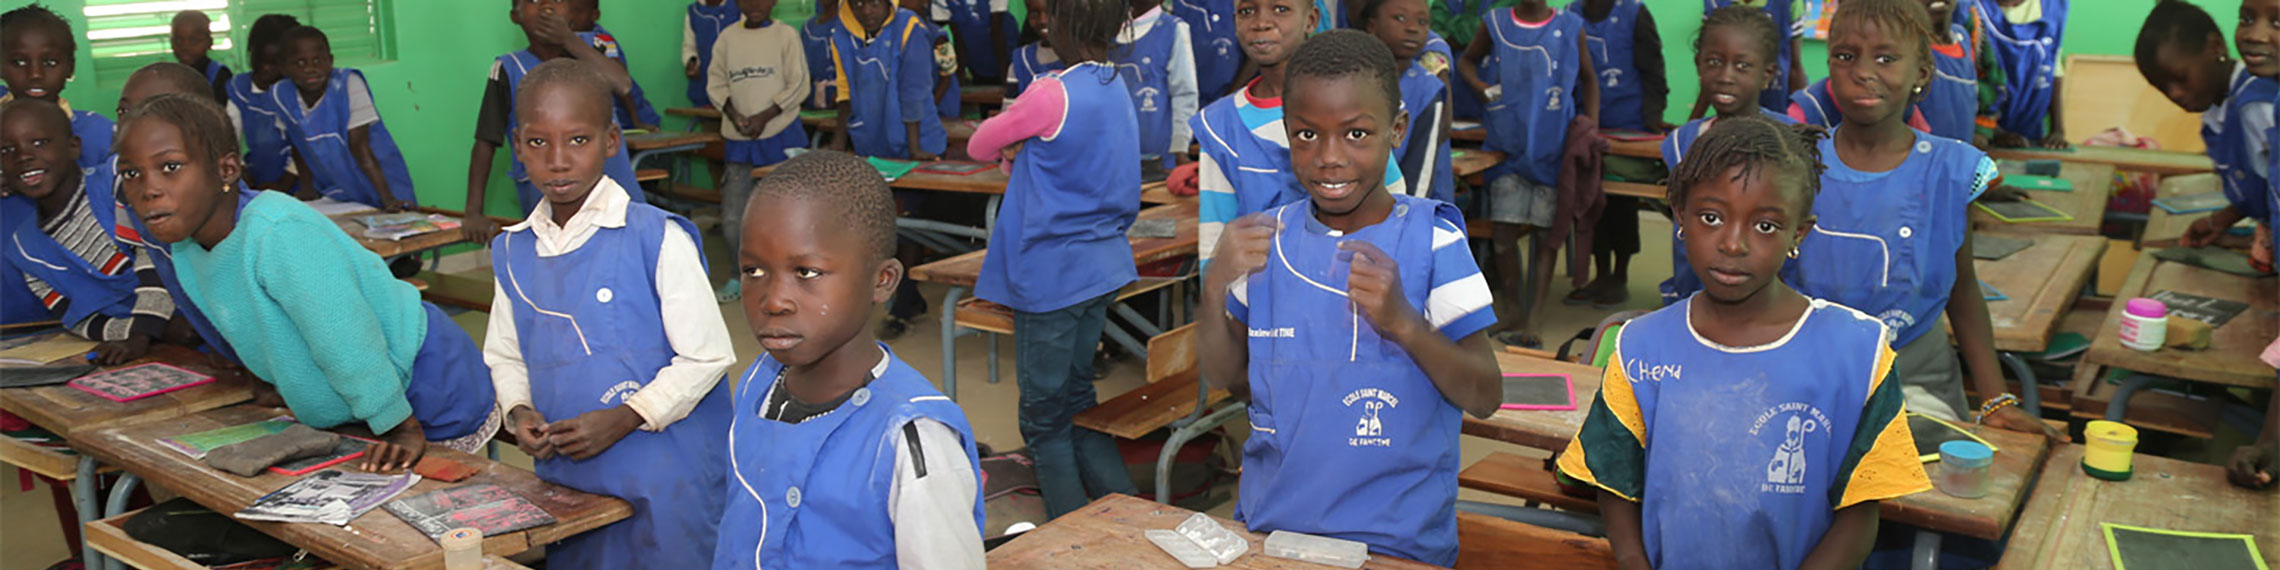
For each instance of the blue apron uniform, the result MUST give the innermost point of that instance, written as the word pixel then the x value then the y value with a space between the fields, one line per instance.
pixel 641 109
pixel 618 167
pixel 707 22
pixel 213 70
pixel 1776 94
pixel 830 476
pixel 2029 55
pixel 1211 32
pixel 815 41
pixel 1621 95
pixel 970 22
pixel 1469 105
pixel 1068 203
pixel 1421 95
pixel 952 104
pixel 267 153
pixel 1146 65
pixel 94 132
pixel 2228 146
pixel 1951 104
pixel 1027 66
pixel 1537 67
pixel 881 91
pixel 1365 427
pixel 1682 282
pixel 162 260
pixel 592 334
pixel 321 135
pixel 108 290
pixel 1885 242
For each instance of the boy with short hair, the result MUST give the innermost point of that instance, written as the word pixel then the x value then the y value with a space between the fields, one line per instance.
pixel 338 139
pixel 883 57
pixel 757 80
pixel 700 28
pixel 547 29
pixel 268 155
pixel 632 107
pixel 190 36
pixel 48 49
pixel 1159 68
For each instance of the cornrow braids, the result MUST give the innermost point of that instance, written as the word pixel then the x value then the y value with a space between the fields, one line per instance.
pixel 176 77
pixel 1749 19
pixel 202 122
pixel 1898 18
pixel 847 186
pixel 2175 24
pixel 1791 153
pixel 39 15
pixel 1347 53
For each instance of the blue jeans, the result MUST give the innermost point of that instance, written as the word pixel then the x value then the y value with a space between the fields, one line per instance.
pixel 1054 353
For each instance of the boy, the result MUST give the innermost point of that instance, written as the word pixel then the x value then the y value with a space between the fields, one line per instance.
pixel 2027 35
pixel 815 41
pixel 1211 29
pixel 1401 26
pixel 699 29
pixel 1034 59
pixel 1301 290
pixel 611 269
pixel 1626 51
pixel 1158 65
pixel 883 59
pixel 2182 53
pixel 338 139
pixel 830 424
pixel 268 155
pixel 948 100
pixel 38 53
pixel 986 34
pixel 545 25
pixel 758 79
pixel 191 36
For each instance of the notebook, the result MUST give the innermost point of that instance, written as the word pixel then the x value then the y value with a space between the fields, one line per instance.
pixel 138 382
pixel 2212 258
pixel 2041 183
pixel 1538 392
pixel 482 506
pixel 954 168
pixel 892 169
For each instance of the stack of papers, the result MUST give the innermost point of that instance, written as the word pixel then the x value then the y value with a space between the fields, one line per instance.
pixel 331 497
pixel 402 225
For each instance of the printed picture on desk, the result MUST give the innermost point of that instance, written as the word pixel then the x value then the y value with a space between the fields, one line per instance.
pixel 137 382
pixel 485 507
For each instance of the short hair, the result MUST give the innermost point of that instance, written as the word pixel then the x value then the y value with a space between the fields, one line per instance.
pixel 267 31
pixel 179 17
pixel 851 190
pixel 1368 10
pixel 43 111
pixel 1347 53
pixel 1901 18
pixel 1790 153
pixel 303 33
pixel 566 73
pixel 1748 19
pixel 2173 23
pixel 176 77
pixel 39 15
pixel 202 122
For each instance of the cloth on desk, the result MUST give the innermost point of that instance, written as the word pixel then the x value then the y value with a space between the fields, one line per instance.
pixel 248 458
pixel 1581 199
pixel 1154 228
pixel 202 535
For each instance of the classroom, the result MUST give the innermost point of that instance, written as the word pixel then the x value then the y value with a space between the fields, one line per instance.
pixel 2044 235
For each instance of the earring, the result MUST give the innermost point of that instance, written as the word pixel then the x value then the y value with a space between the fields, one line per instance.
pixel 1793 253
pixel 1681 234
pixel 1919 90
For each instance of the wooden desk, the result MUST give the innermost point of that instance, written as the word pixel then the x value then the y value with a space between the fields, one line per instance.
pixel 2232 355
pixel 1637 149
pixel 665 140
pixel 2127 159
pixel 966 269
pixel 1469 162
pixel 2060 527
pixel 377 539
pixel 699 113
pixel 1541 429
pixel 414 244
pixel 1110 533
pixel 2042 282
pixel 2093 184
pixel 69 412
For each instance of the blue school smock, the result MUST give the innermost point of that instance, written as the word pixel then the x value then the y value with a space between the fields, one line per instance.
pixel 1621 95
pixel 815 494
pixel 213 69
pixel 1146 67
pixel 706 23
pixel 107 289
pixel 2029 55
pixel 646 114
pixel 1951 103
pixel 592 333
pixel 2229 149
pixel 888 80
pixel 815 42
pixel 1028 65
pixel 321 135
pixel 1070 198
pixel 1422 94
pixel 1682 282
pixel 267 151
pixel 952 104
pixel 1776 94
pixel 970 22
pixel 1346 443
pixel 94 132
pixel 1211 33
pixel 1537 67
pixel 1885 242
pixel 618 167
pixel 134 233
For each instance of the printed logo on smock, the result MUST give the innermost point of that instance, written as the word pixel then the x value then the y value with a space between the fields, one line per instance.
pixel 617 394
pixel 1613 77
pixel 1367 403
pixel 1552 99
pixel 1148 97
pixel 1222 45
pixel 1895 320
pixel 1277 332
pixel 1785 471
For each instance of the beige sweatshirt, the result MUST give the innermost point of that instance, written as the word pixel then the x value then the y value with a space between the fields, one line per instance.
pixel 756 69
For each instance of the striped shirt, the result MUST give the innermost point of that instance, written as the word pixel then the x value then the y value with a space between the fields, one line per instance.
pixel 1458 304
pixel 77 230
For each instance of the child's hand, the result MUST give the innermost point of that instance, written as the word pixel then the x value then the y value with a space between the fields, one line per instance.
pixel 477 229
pixel 1243 247
pixel 395 205
pixel 2004 193
pixel 2017 419
pixel 590 433
pixel 2255 465
pixel 1182 180
pixel 529 429
pixel 555 29
pixel 265 395
pixel 923 156
pixel 1374 285
pixel 690 69
pixel 2007 139
pixel 397 449
pixel 1011 151
pixel 2201 232
pixel 119 352
pixel 2056 140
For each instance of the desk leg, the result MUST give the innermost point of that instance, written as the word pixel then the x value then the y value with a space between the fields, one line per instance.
pixel 1189 429
pixel 949 319
pixel 83 499
pixel 120 494
pixel 2120 406
pixel 1927 554
pixel 2030 388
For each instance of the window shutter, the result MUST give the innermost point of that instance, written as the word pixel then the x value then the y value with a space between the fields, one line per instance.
pixel 125 35
pixel 353 26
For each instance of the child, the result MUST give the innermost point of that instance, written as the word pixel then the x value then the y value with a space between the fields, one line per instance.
pixel 191 36
pixel 61 232
pixel 307 308
pixel 758 79
pixel 633 109
pixel 1626 51
pixel 549 36
pixel 268 155
pixel 1153 52
pixel 2027 35
pixel 1734 55
pixel 1060 253
pixel 151 81
pixel 1299 290
pixel 2182 53
pixel 1211 32
pixel 2256 465
pixel 1425 155
pixel 1455 21
pixel 40 52
pixel 1543 78
pixel 1035 59
pixel 1951 104
pixel 1789 71
pixel 336 131
pixel 597 385
pixel 1894 210
pixel 815 41
pixel 878 465
pixel 699 29
pixel 986 34
pixel 883 59
pixel 1749 468
pixel 948 98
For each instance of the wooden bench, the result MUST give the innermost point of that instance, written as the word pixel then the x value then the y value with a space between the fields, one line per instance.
pixel 651 175
pixel 1169 395
pixel 977 314
pixel 455 290
pixel 1515 476
pixel 1488 542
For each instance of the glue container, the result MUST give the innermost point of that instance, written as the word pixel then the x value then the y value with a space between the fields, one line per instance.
pixel 2145 324
pixel 1317 549
pixel 1963 469
pixel 462 549
pixel 2107 453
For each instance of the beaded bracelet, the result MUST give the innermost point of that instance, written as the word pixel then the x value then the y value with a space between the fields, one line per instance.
pixel 1987 409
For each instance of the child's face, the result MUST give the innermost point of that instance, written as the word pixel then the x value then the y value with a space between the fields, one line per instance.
pixel 1040 21
pixel 1402 25
pixel 2258 36
pixel 583 14
pixel 564 140
pixel 1739 230
pixel 34 63
pixel 142 87
pixel 190 40
pixel 756 10
pixel 871 14
pixel 309 63
pixel 267 67
pixel 1272 29
pixel 1733 68
pixel 37 151
pixel 1942 12
pixel 807 292
pixel 1873 72
pixel 163 179
pixel 529 13
pixel 1341 130
pixel 2190 75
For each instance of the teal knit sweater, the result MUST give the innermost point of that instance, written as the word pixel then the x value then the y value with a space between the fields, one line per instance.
pixel 310 310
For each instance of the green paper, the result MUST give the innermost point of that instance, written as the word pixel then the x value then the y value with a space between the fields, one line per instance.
pixel 2041 183
pixel 892 169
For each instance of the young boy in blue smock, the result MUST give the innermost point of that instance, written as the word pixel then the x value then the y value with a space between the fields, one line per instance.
pixel 190 36
pixel 1424 156
pixel 1357 316
pixel 631 107
pixel 547 29
pixel 1211 33
pixel 2182 52
pixel 883 57
pixel 949 101
pixel 843 456
pixel 700 28
pixel 815 43
pixel 338 139
pixel 1153 54
pixel 984 34
pixel 605 344
pixel 2027 36
pixel 268 155
pixel 1033 59
pixel 1626 54
pixel 49 49
pixel 1747 426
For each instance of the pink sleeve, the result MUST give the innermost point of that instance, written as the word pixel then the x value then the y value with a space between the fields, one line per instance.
pixel 1037 112
pixel 1797 113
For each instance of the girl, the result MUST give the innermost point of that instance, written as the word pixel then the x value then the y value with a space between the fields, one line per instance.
pixel 1734 54
pixel 1034 59
pixel 1158 65
pixel 1788 69
pixel 758 78
pixel 37 56
pixel 1626 50
pixel 306 308
pixel 1951 104
pixel 1062 254
pixel 1211 24
pixel 2181 52
pixel 1424 154
pixel 1748 469
pixel 2254 465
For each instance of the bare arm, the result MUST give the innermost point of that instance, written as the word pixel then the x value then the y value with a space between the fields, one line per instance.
pixel 1586 81
pixel 2056 137
pixel 1468 65
pixel 1975 336
pixel 308 188
pixel 1623 531
pixel 360 145
pixel 1852 534
pixel 1797 80
pixel 475 226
